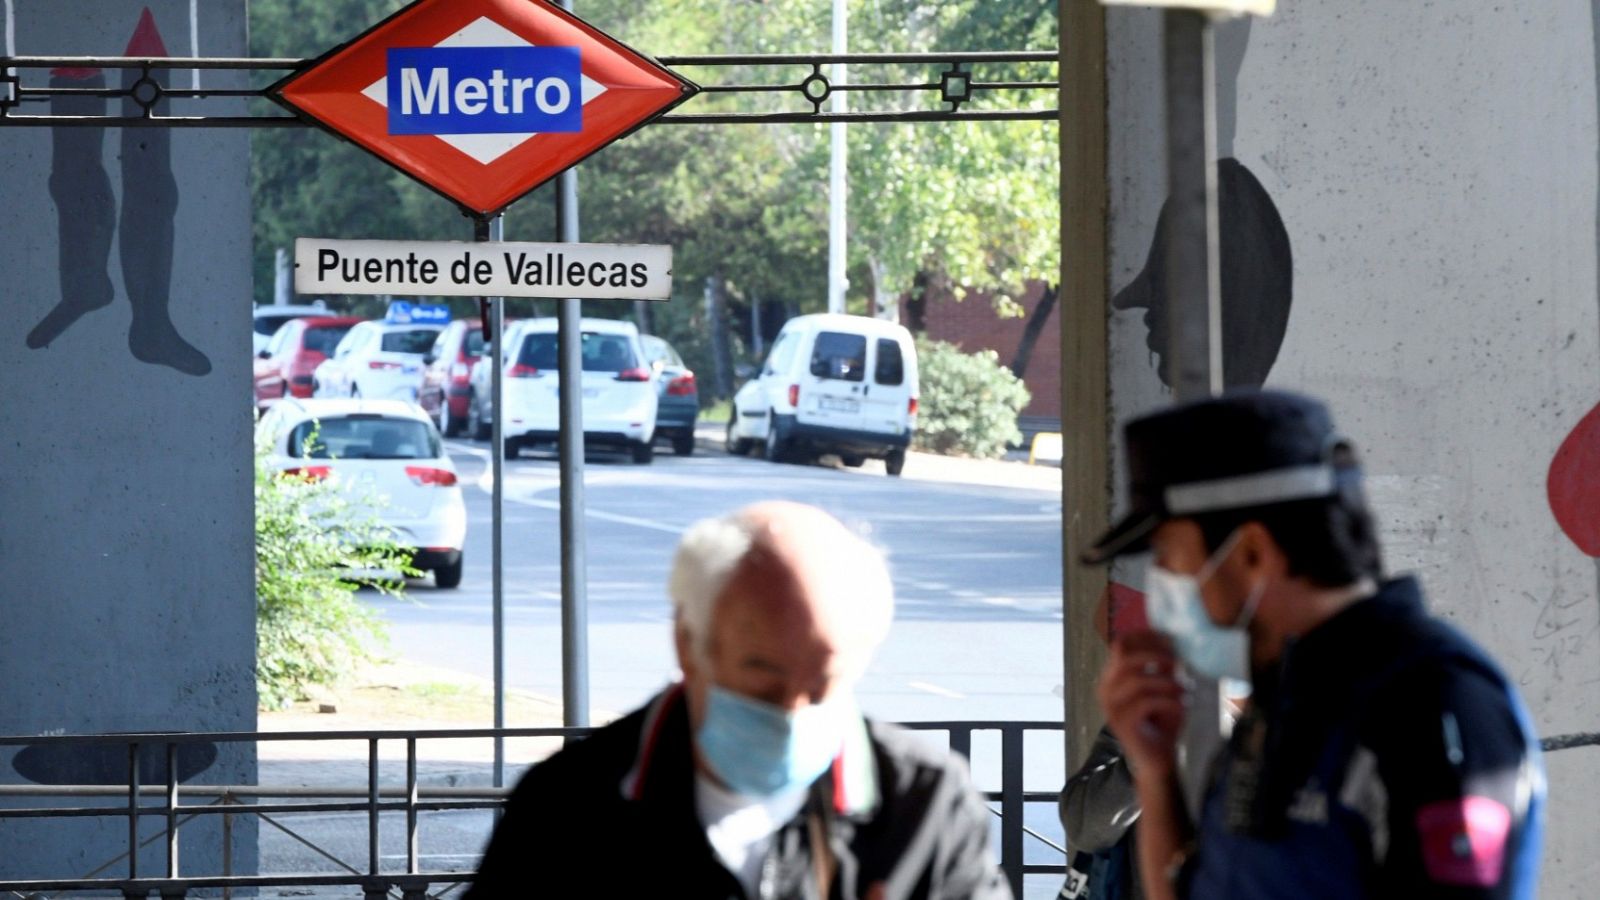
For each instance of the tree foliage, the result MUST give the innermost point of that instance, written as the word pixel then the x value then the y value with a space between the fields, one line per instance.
pixel 970 402
pixel 972 205
pixel 309 628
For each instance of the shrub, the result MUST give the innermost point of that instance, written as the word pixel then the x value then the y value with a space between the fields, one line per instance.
pixel 309 628
pixel 969 404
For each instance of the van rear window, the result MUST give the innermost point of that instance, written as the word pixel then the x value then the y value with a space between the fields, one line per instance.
pixel 840 356
pixel 891 367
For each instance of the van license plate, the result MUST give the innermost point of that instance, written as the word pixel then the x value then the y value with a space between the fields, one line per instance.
pixel 839 404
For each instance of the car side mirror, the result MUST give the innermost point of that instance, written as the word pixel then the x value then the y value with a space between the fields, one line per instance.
pixel 263 355
pixel 429 359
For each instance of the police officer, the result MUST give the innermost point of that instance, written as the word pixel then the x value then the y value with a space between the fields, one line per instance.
pixel 1381 753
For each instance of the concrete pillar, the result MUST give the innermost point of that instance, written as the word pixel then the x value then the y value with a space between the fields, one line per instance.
pixel 126 534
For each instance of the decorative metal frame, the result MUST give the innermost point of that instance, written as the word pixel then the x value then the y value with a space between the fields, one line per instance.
pixel 952 81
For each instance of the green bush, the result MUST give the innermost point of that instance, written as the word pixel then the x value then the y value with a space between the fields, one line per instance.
pixel 309 628
pixel 970 402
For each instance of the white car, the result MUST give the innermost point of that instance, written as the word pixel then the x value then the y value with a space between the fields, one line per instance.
pixel 266 320
pixel 381 360
pixel 389 458
pixel 619 389
pixel 831 384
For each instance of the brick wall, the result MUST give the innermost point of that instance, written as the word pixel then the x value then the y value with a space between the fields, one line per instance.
pixel 973 324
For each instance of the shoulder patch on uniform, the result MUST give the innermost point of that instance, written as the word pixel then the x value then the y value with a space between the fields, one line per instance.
pixel 1464 840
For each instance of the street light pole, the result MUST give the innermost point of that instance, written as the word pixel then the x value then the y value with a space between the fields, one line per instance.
pixel 838 184
pixel 1193 289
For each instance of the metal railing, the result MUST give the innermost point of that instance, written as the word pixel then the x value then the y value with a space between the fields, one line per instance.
pixel 267 801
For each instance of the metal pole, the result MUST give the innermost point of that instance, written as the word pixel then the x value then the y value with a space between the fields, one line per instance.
pixel 485 230
pixel 574 583
pixel 837 182
pixel 1193 289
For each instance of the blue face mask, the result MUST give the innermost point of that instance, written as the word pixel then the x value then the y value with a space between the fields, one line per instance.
pixel 1175 608
pixel 758 749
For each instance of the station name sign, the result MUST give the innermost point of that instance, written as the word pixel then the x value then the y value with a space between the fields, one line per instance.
pixel 504 269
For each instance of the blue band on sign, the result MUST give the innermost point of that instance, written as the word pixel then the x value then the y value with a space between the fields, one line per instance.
pixel 484 90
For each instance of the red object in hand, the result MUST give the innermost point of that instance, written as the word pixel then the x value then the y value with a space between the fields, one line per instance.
pixel 1574 484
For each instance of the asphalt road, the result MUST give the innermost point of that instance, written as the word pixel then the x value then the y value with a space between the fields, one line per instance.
pixel 977 572
pixel 977 632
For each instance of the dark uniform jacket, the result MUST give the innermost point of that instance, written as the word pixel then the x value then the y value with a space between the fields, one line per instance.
pixel 1385 756
pixel 614 816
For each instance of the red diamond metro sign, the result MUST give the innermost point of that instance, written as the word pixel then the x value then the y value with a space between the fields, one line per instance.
pixel 483 100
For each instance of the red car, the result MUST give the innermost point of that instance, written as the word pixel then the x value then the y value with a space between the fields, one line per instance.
pixel 284 368
pixel 445 391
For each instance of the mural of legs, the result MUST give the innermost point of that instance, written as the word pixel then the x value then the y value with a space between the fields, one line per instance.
pixel 85 207
pixel 149 211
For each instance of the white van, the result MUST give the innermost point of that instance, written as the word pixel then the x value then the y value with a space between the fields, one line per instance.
pixel 831 384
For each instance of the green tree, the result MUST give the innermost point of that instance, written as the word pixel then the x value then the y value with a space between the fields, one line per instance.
pixel 309 628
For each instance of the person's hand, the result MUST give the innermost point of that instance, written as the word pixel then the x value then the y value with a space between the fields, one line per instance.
pixel 1144 702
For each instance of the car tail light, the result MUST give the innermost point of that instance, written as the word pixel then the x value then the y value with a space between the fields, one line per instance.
pixel 911 406
pixel 459 371
pixel 382 366
pixel 794 395
pixel 634 375
pixel 523 370
pixel 682 386
pixel 425 476
pixel 309 473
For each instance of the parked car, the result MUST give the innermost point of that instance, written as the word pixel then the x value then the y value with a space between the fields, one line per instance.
pixel 831 384
pixel 380 360
pixel 388 457
pixel 266 320
pixel 284 368
pixel 677 395
pixel 619 392
pixel 447 376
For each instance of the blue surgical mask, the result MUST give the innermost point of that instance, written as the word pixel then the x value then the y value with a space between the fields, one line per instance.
pixel 759 749
pixel 1176 609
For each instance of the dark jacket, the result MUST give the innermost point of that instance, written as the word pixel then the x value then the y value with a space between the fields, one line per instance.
pixel 614 815
pixel 1385 756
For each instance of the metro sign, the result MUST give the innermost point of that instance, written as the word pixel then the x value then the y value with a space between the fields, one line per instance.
pixel 482 100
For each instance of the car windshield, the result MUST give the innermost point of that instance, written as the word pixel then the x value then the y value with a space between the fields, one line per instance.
pixel 601 352
pixel 417 341
pixel 839 355
pixel 324 338
pixel 364 437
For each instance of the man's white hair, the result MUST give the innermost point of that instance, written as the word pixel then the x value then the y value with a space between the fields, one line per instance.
pixel 854 585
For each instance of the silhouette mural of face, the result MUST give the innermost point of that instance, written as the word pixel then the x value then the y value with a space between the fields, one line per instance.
pixel 1257 264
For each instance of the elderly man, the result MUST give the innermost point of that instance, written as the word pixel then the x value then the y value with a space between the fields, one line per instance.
pixel 756 776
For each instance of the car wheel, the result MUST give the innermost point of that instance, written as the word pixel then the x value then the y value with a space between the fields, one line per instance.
pixel 735 445
pixel 775 449
pixel 895 462
pixel 644 452
pixel 683 445
pixel 476 426
pixel 449 426
pixel 449 576
pixel 852 460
